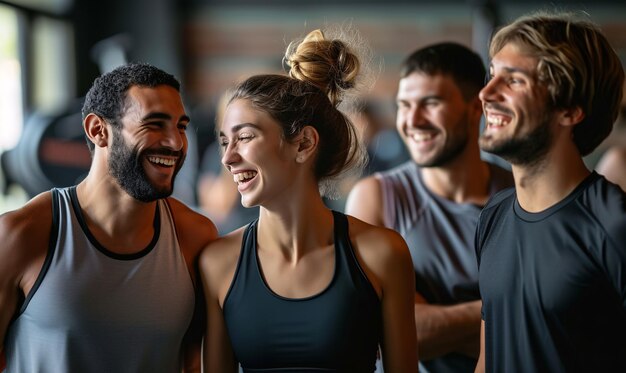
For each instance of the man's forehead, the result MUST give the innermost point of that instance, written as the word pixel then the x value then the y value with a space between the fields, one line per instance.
pixel 152 98
pixel 157 93
pixel 513 58
pixel 422 83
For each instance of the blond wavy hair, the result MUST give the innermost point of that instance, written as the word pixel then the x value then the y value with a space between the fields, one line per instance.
pixel 578 65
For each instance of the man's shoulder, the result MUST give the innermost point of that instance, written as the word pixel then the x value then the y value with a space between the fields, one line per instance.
pixel 194 229
pixel 25 232
pixel 184 213
pixel 408 167
pixel 402 180
pixel 499 198
pixel 606 202
pixel 29 219
pixel 492 215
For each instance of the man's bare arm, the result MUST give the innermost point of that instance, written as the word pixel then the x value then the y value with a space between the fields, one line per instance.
pixel 365 201
pixel 480 366
pixel 8 305
pixel 444 329
pixel 24 234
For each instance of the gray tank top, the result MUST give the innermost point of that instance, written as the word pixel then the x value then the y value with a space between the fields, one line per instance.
pixel 92 310
pixel 440 235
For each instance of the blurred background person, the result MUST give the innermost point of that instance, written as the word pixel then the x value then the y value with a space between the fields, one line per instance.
pixel 435 198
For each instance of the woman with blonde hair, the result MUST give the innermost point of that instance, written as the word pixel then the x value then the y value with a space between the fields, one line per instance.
pixel 303 288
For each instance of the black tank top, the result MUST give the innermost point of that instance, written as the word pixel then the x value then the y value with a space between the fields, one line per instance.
pixel 337 330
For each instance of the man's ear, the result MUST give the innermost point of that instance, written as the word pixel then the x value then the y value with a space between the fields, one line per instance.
pixel 96 130
pixel 307 142
pixel 571 116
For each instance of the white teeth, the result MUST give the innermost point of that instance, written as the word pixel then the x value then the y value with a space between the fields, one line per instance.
pixel 243 176
pixel 496 121
pixel 422 136
pixel 163 161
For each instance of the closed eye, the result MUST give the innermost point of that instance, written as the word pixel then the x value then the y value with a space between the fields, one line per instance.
pixel 245 137
pixel 514 80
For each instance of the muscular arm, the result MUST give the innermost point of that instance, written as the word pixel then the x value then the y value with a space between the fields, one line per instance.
pixel 445 329
pixel 9 296
pixel 9 278
pixel 24 235
pixel 480 366
pixel 365 201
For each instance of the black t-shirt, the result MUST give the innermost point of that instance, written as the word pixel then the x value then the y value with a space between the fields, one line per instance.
pixel 553 283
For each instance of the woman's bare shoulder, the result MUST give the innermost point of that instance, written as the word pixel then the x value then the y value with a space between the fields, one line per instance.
pixel 382 252
pixel 368 237
pixel 218 264
pixel 220 256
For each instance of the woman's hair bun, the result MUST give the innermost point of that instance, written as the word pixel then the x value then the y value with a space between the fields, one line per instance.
pixel 330 64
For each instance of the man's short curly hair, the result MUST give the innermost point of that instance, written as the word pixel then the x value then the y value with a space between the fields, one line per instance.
pixel 107 95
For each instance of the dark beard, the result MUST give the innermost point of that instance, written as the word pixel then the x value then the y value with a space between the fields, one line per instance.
pixel 454 148
pixel 526 151
pixel 125 166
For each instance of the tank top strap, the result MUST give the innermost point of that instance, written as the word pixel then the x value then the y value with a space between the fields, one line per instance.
pixel 347 264
pixel 344 255
pixel 249 239
pixel 248 257
pixel 243 280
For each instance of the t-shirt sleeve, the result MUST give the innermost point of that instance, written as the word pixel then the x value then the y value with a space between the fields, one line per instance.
pixel 611 218
pixel 613 256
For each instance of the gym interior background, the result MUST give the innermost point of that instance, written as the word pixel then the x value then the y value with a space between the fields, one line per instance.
pixel 52 50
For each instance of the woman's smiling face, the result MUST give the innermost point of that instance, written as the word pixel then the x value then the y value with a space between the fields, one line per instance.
pixel 255 152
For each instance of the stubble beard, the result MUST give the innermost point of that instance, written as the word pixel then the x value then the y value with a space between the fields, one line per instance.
pixel 452 149
pixel 528 150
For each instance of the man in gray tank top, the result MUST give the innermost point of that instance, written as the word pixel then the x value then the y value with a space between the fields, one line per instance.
pixel 434 200
pixel 100 277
